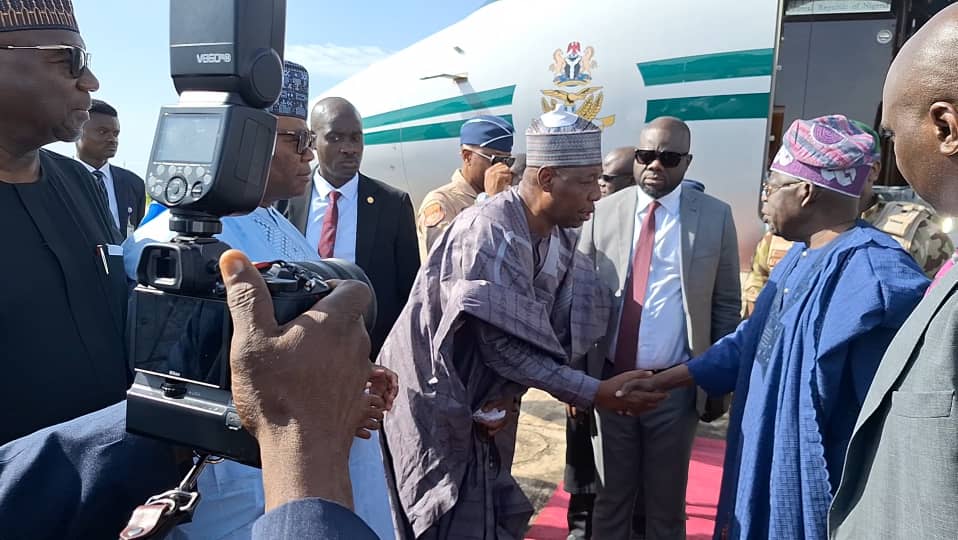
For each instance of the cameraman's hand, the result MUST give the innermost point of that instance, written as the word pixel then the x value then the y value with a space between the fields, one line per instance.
pixel 497 179
pixel 298 387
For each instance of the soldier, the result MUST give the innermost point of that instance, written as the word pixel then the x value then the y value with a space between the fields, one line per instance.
pixel 911 224
pixel 486 160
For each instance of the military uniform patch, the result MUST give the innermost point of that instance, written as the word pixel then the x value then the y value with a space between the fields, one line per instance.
pixel 433 214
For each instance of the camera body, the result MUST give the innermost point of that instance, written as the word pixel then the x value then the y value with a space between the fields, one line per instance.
pixel 210 158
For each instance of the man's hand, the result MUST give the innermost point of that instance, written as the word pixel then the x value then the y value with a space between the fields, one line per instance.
pixel 384 382
pixel 299 387
pixel 640 397
pixel 673 377
pixel 498 178
pixel 505 404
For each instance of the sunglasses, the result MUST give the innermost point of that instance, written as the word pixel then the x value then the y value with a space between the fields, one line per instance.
pixel 79 58
pixel 668 159
pixel 509 161
pixel 305 139
pixel 613 177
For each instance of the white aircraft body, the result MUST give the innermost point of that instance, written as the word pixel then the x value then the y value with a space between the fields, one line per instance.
pixel 619 63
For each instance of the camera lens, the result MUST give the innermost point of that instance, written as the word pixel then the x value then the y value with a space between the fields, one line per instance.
pixel 340 269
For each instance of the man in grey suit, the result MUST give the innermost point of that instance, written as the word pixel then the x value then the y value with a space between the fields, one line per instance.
pixel 687 297
pixel 901 469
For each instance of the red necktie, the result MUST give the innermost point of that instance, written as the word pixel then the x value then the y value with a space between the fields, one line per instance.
pixel 627 344
pixel 327 236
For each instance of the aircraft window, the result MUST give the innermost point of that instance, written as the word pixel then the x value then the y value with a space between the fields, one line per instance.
pixel 833 7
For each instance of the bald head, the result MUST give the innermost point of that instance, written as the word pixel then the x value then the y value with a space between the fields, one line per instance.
pixel 339 139
pixel 617 170
pixel 678 130
pixel 920 110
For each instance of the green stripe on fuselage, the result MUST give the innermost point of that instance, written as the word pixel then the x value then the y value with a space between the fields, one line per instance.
pixel 727 107
pixel 459 104
pixel 427 132
pixel 707 67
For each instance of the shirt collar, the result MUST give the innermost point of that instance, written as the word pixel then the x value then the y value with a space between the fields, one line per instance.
pixel 105 169
pixel 349 191
pixel 669 202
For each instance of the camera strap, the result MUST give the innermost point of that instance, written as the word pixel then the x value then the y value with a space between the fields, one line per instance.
pixel 168 509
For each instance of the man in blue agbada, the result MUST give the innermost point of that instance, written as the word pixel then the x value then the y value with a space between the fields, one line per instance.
pixel 232 493
pixel 802 364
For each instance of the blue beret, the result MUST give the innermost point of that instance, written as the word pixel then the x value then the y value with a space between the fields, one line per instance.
pixel 295 94
pixel 487 131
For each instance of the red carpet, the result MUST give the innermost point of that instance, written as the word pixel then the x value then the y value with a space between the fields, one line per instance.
pixel 705 477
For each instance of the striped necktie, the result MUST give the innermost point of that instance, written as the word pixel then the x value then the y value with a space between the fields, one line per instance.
pixel 100 186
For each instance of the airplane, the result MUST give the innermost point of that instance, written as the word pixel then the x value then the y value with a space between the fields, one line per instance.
pixel 738 71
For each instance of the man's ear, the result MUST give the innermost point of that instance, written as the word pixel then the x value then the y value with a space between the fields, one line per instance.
pixel 545 178
pixel 945 119
pixel 809 193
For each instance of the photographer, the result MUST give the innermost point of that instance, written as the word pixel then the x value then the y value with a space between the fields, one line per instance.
pixel 233 493
pixel 62 282
pixel 89 473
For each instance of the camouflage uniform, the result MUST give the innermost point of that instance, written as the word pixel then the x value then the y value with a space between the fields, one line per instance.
pixel 440 207
pixel 911 224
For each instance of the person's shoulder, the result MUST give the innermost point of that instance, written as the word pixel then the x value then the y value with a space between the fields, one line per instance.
pixel 63 164
pixel 383 188
pixel 708 203
pixel 126 172
pixel 615 200
pixel 886 260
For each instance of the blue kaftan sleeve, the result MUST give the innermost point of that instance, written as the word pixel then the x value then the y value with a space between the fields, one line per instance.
pixel 716 371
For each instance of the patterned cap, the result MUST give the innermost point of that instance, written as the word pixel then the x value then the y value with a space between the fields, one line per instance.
pixel 295 94
pixel 876 145
pixel 487 131
pixel 562 139
pixel 37 15
pixel 829 151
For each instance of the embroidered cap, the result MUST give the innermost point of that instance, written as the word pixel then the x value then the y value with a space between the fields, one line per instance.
pixel 829 151
pixel 37 15
pixel 562 139
pixel 295 94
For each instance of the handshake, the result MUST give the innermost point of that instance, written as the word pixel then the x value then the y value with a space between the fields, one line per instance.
pixel 636 392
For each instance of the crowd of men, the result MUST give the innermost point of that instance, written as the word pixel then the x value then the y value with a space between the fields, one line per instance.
pixel 628 309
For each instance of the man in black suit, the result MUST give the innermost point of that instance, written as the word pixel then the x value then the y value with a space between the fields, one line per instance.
pixel 350 216
pixel 98 143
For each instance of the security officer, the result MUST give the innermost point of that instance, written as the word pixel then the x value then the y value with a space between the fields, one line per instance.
pixel 912 224
pixel 486 149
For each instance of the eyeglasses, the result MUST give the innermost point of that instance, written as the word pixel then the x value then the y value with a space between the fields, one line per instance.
pixel 79 58
pixel 305 139
pixel 668 159
pixel 508 160
pixel 768 189
pixel 614 177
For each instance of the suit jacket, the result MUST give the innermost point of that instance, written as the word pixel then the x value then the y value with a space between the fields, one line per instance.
pixel 130 198
pixel 711 291
pixel 901 468
pixel 311 518
pixel 387 248
pixel 80 479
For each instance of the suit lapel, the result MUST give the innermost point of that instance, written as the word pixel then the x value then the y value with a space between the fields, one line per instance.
pixel 367 219
pixel 689 224
pixel 622 230
pixel 903 346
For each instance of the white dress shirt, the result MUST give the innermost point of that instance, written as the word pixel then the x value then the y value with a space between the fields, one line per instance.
pixel 348 207
pixel 110 191
pixel 663 338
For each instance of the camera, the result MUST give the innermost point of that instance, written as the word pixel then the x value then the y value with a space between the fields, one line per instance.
pixel 210 159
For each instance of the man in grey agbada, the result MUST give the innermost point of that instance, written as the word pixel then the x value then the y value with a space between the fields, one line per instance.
pixel 901 470
pixel 502 303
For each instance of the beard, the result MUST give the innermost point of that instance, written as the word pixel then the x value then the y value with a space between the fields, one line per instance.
pixel 657 193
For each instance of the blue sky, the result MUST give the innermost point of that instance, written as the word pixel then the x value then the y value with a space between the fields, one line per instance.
pixel 129 40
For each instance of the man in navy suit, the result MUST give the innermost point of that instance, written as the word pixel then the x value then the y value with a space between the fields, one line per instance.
pixel 124 190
